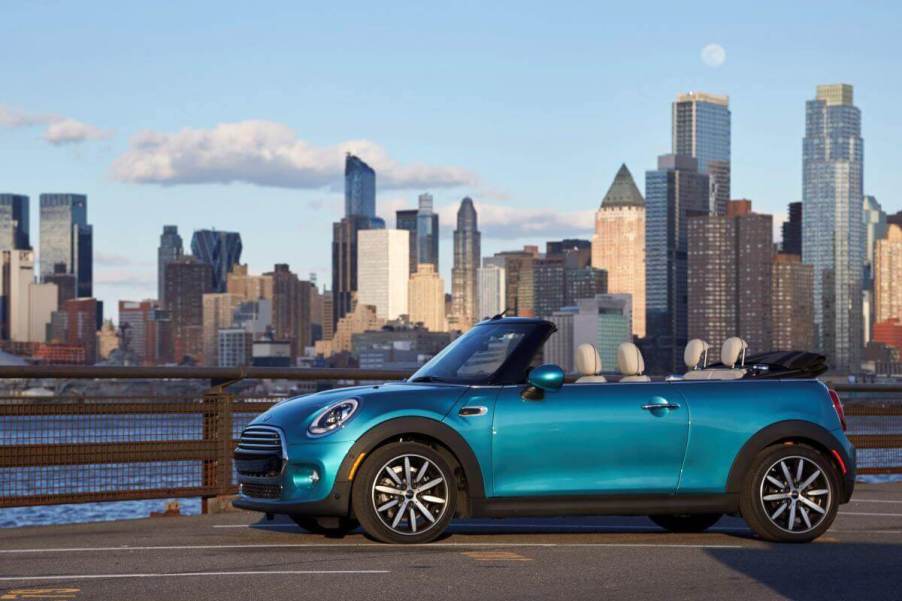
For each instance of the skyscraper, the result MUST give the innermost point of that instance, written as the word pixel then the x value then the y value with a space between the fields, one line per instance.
pixel 187 280
pixel 427 232
pixel 832 230
pixel 406 219
pixel 701 129
pixel 170 249
pixel 887 270
pixel 67 239
pixel 426 299
pixel 14 219
pixel 220 250
pixel 360 188
pixel 792 230
pixel 218 314
pixel 467 254
pixel 618 246
pixel 518 279
pixel 490 292
pixel 874 229
pixel 793 303
pixel 730 277
pixel 383 278
pixel 291 308
pixel 673 193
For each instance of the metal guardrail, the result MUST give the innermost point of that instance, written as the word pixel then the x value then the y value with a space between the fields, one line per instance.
pixel 73 449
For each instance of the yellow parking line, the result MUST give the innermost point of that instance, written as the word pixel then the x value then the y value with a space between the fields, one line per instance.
pixel 496 556
pixel 41 593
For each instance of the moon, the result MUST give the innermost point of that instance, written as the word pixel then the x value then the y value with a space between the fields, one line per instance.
pixel 714 55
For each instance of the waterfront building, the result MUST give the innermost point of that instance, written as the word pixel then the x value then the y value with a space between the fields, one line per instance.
pixel 218 314
pixel 426 299
pixel 136 323
pixel 793 303
pixel 220 250
pixel 673 193
pixel 384 274
pixel 187 280
pixel 80 321
pixel 701 129
pixel 467 254
pixel 874 229
pixel 235 347
pixel 66 239
pixel 363 318
pixel 730 263
pixel 832 231
pixel 14 222
pixel 887 272
pixel 170 249
pixel 618 246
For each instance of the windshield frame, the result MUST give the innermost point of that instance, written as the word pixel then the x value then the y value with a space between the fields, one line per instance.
pixel 515 367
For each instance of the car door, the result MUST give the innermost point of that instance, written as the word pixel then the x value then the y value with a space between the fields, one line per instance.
pixel 607 438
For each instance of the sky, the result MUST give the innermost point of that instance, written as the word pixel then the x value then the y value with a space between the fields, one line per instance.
pixel 236 116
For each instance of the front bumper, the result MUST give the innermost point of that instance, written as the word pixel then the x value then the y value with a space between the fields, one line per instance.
pixel 304 479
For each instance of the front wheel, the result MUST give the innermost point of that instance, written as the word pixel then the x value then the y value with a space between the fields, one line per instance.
pixel 790 494
pixel 405 492
pixel 688 522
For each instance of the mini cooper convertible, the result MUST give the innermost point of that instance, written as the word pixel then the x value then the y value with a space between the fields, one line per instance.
pixel 478 431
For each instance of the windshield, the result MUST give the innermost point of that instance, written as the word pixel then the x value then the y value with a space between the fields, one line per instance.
pixel 490 353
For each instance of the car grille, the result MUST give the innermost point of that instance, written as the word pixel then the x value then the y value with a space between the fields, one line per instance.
pixel 260 439
pixel 259 453
pixel 261 491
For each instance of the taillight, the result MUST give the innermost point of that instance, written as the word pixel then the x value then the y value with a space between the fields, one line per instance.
pixel 837 405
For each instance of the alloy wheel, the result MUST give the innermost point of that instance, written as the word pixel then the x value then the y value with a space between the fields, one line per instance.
pixel 795 494
pixel 410 494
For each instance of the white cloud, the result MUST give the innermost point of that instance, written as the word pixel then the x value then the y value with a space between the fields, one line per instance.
pixel 59 129
pixel 507 222
pixel 266 153
pixel 70 131
pixel 714 55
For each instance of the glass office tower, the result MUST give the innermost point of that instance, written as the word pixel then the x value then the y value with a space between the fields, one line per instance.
pixel 14 230
pixel 66 239
pixel 832 222
pixel 360 188
pixel 219 250
pixel 427 232
pixel 701 129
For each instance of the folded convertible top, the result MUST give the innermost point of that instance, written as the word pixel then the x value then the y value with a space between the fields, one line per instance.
pixel 786 364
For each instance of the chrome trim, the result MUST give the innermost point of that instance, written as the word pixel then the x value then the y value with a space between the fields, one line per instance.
pixel 473 411
pixel 653 406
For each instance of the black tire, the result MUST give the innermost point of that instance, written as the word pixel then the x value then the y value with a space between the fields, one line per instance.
pixel 686 522
pixel 330 527
pixel 366 500
pixel 769 519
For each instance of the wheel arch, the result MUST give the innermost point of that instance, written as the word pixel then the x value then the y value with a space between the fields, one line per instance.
pixel 426 430
pixel 790 432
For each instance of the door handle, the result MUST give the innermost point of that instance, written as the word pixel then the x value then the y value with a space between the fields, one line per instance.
pixel 472 411
pixel 653 406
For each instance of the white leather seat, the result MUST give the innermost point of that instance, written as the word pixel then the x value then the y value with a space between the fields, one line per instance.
pixel 630 363
pixel 731 353
pixel 696 352
pixel 588 364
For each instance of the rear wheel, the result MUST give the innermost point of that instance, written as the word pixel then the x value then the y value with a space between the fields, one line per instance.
pixel 686 522
pixel 330 527
pixel 405 492
pixel 790 494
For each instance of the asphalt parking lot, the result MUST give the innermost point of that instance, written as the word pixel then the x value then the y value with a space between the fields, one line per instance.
pixel 239 556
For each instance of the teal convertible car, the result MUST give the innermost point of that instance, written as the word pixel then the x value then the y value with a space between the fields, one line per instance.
pixel 479 431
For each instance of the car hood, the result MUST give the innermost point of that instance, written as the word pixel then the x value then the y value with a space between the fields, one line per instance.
pixel 377 404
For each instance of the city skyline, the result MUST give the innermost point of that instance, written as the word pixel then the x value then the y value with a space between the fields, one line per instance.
pixel 572 130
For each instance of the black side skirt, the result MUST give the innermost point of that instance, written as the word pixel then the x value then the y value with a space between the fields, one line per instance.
pixel 560 506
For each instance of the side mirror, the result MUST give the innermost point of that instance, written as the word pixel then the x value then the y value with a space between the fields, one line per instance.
pixel 543 378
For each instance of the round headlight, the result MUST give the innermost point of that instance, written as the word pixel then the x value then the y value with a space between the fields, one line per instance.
pixel 333 417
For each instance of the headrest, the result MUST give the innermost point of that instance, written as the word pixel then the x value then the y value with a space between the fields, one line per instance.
pixel 695 352
pixel 587 360
pixel 733 351
pixel 629 359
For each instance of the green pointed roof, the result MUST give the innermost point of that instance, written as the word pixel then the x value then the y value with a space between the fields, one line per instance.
pixel 623 191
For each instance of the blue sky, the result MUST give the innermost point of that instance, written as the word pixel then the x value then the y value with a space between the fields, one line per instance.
pixel 233 115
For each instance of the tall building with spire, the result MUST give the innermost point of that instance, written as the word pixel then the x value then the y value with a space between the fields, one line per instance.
pixel 832 222
pixel 618 245
pixel 467 253
pixel 701 129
